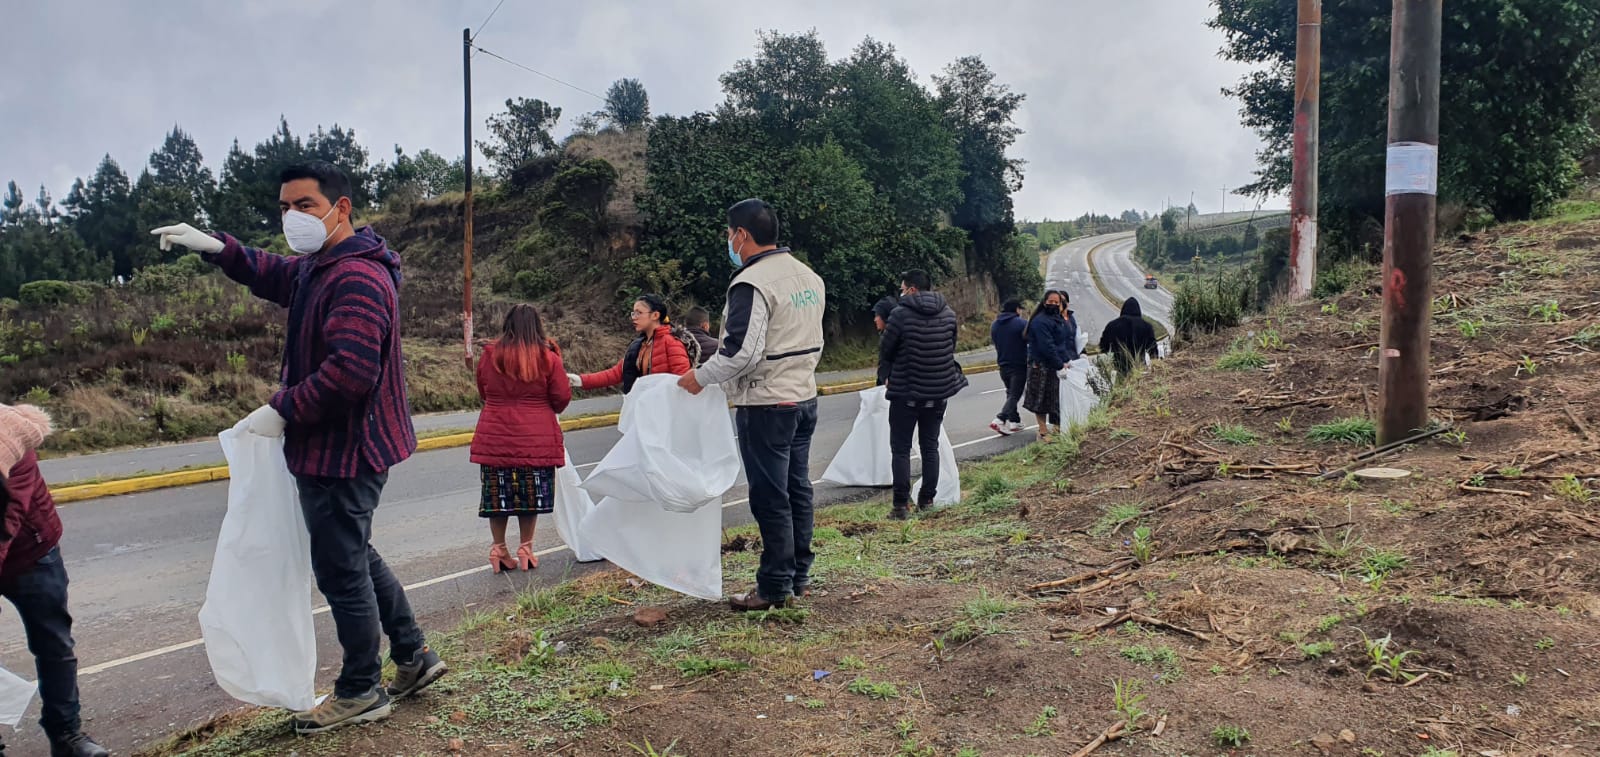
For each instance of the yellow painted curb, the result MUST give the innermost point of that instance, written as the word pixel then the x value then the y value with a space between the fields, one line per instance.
pixel 139 484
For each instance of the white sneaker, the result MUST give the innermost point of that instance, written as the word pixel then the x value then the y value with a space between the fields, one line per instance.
pixel 1000 427
pixel 1012 428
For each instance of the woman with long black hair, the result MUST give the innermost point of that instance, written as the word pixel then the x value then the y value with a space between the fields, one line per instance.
pixel 1052 343
pixel 656 349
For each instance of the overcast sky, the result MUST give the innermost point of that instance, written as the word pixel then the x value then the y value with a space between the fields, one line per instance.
pixel 1123 105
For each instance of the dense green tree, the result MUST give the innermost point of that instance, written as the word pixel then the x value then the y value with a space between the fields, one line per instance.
pixel 1517 85
pixel 178 163
pixel 785 87
pixel 980 111
pixel 520 134
pixel 627 104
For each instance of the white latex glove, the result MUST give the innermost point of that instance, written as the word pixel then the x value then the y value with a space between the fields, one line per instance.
pixel 265 421
pixel 189 237
pixel 575 380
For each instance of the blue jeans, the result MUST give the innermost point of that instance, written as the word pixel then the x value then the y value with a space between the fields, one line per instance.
pixel 40 596
pixel 775 443
pixel 363 595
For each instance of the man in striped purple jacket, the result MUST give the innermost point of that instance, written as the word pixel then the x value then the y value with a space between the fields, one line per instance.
pixel 345 420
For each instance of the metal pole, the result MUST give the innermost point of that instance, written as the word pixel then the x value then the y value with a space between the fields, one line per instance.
pixel 466 158
pixel 1303 186
pixel 1410 185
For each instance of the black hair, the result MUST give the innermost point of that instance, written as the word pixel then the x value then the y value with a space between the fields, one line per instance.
pixel 697 316
pixel 1039 308
pixel 332 182
pixel 1011 306
pixel 657 304
pixel 758 218
pixel 882 308
pixel 917 279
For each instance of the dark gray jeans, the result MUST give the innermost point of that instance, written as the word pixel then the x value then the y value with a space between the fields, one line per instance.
pixel 363 595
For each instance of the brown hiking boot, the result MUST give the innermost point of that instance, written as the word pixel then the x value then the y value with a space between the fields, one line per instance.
pixel 753 601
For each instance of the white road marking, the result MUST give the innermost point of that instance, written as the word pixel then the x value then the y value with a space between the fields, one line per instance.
pixel 148 654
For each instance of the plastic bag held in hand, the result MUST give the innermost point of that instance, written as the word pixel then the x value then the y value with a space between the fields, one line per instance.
pixel 256 621
pixel 188 236
pixel 948 492
pixel 15 695
pixel 677 449
pixel 573 504
pixel 864 458
pixel 680 551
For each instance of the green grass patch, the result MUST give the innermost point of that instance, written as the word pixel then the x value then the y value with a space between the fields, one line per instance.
pixel 698 667
pixel 1241 359
pixel 1234 434
pixel 1346 431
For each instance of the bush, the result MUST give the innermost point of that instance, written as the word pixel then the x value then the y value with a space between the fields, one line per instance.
pixel 192 265
pixel 536 283
pixel 165 278
pixel 1211 305
pixel 46 293
pixel 1335 280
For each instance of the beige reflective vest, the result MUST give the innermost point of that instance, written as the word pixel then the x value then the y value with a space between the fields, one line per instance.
pixel 796 300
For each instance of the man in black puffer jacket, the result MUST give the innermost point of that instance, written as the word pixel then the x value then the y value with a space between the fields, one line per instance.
pixel 919 347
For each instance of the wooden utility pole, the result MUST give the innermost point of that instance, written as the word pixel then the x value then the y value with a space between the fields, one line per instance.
pixel 1303 186
pixel 466 213
pixel 1411 183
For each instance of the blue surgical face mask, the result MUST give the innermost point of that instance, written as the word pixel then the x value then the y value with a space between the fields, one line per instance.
pixel 733 255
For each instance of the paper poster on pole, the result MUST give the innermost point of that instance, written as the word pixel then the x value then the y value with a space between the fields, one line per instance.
pixel 1411 168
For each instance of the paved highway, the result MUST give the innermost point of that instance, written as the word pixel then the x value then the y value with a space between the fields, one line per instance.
pixel 139 566
pixel 1123 276
pixel 1068 269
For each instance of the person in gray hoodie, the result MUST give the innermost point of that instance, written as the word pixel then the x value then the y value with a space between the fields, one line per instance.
pixel 919 346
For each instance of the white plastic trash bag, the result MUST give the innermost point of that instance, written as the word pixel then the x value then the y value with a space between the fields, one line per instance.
pixel 15 694
pixel 863 460
pixel 679 550
pixel 1083 340
pixel 256 621
pixel 573 504
pixel 1078 399
pixel 948 492
pixel 677 449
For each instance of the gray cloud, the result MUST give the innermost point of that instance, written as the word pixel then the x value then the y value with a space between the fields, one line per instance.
pixel 1123 106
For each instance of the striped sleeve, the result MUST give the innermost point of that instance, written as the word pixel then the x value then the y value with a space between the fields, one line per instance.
pixel 269 276
pixel 355 331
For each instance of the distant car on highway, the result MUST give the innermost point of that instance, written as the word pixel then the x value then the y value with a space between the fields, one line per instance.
pixel 1150 283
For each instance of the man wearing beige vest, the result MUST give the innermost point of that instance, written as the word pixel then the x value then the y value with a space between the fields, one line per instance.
pixel 771 342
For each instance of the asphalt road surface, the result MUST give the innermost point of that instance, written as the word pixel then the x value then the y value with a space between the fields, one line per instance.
pixel 139 566
pixel 1123 276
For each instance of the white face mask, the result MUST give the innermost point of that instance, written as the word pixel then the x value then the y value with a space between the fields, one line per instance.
pixel 305 232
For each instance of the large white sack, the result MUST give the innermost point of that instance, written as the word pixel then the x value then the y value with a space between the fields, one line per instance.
pixel 681 551
pixel 1083 340
pixel 573 504
pixel 864 459
pixel 677 449
pixel 15 694
pixel 948 492
pixel 256 621
pixel 1078 399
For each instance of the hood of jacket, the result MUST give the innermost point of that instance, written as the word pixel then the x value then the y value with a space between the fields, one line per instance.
pixel 365 243
pixel 1130 308
pixel 924 303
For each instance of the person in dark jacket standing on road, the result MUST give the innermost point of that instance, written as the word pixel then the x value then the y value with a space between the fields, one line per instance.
pixel 919 346
pixel 880 319
pixel 345 420
pixel 698 324
pixel 1009 334
pixel 1051 345
pixel 771 342
pixel 1129 338
pixel 34 578
pixel 518 443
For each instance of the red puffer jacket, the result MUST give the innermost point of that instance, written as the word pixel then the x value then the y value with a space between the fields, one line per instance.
pixel 667 355
pixel 518 427
pixel 32 527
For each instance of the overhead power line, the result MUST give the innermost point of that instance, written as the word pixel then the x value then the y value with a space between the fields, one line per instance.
pixel 538 72
pixel 486 21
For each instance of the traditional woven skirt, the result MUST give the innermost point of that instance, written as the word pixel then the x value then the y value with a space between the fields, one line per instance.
pixel 517 491
pixel 1043 394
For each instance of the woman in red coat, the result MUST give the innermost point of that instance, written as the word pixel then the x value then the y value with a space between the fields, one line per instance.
pixel 655 350
pixel 518 440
